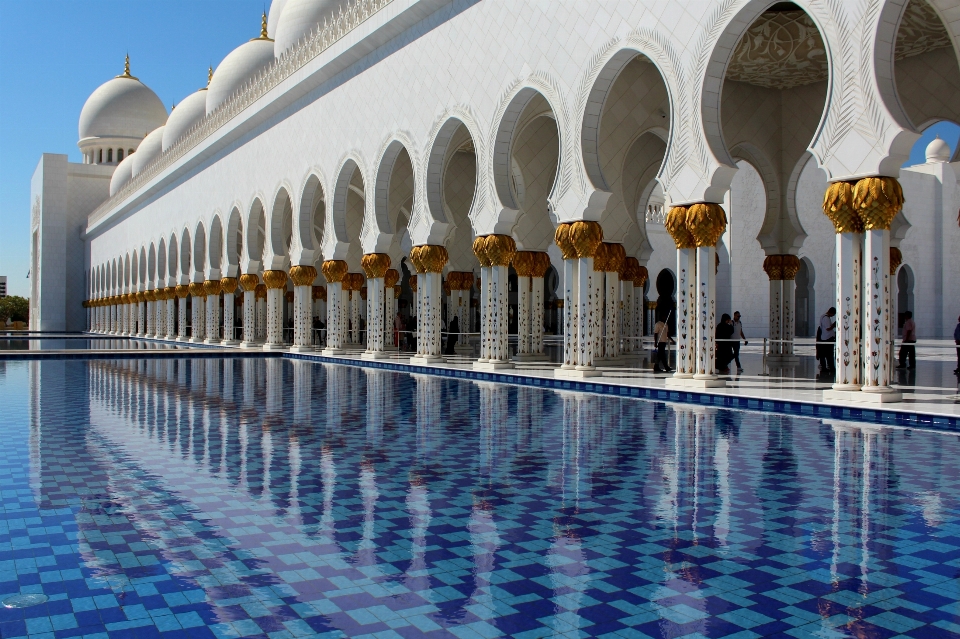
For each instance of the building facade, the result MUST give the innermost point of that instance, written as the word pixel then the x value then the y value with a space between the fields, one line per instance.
pixel 542 165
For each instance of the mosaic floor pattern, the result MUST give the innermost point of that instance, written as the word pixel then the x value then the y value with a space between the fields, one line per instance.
pixel 276 498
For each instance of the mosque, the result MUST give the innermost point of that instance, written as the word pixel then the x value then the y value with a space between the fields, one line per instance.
pixel 569 171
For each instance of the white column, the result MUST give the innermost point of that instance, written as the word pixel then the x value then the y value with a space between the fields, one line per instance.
pixel 523 316
pixel 213 319
pixel 141 319
pixel 151 319
pixel 706 315
pixel 599 307
pixel 626 317
pixel 876 308
pixel 229 308
pixel 776 307
pixel 198 320
pixel 611 347
pixel 571 330
pixel 171 321
pixel 182 319
pixel 788 321
pixel 334 319
pixel 686 313
pixel 499 314
pixel 354 316
pixel 847 349
pixel 376 318
pixel 275 301
pixel 249 319
pixel 536 315
pixel 302 319
pixel 586 314
pixel 486 334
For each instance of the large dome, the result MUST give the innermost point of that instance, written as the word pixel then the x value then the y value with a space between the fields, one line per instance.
pixel 121 108
pixel 299 19
pixel 148 151
pixel 190 111
pixel 122 174
pixel 238 67
pixel 276 8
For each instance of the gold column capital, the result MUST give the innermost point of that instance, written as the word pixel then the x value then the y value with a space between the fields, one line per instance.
pixel 375 264
pixel 334 270
pixel 676 224
pixel 586 238
pixel 275 279
pixel 706 222
pixel 303 275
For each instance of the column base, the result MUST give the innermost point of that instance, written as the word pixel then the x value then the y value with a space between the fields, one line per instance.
pixel 887 396
pixel 426 359
pixel 492 365
pixel 254 344
pixel 692 382
pixel 328 352
pixel 374 355
pixel 576 373
pixel 183 340
pixel 211 340
pixel 531 357
pixel 195 340
pixel 296 348
pixel 230 342
pixel 275 347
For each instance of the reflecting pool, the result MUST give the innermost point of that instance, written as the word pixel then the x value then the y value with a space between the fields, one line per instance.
pixel 269 497
pixel 17 343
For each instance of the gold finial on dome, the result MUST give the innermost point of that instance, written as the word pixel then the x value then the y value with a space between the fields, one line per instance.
pixel 209 75
pixel 126 69
pixel 263 29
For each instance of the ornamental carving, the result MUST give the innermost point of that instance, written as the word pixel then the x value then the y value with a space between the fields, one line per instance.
pixel 275 279
pixel 838 206
pixel 319 293
pixel 182 290
pixel 541 263
pixel 228 285
pixel 375 264
pixel 334 270
pixel 791 266
pixel 641 279
pixel 896 259
pixel 676 225
pixel 773 266
pixel 196 289
pixel 562 239
pixel 249 281
pixel 500 249
pixel 211 287
pixel 415 259
pixel 412 281
pixel 391 277
pixel 433 258
pixel 523 263
pixel 921 30
pixel 480 250
pixel 706 223
pixel 260 292
pixel 616 255
pixel 396 291
pixel 303 275
pixel 585 237
pixel 877 200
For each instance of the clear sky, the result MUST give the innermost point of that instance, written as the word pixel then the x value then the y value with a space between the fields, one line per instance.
pixel 54 53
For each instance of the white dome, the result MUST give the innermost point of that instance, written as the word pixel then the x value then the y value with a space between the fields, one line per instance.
pixel 121 107
pixel 122 174
pixel 238 67
pixel 276 8
pixel 148 151
pixel 190 111
pixel 299 19
pixel 938 151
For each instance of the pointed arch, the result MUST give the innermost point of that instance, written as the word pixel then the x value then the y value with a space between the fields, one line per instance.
pixel 215 250
pixel 199 253
pixel 233 243
pixel 310 219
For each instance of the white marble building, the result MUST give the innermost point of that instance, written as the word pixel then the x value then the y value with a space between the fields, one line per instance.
pixel 352 130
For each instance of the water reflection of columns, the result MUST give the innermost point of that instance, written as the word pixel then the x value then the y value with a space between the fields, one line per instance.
pixel 429 403
pixel 418 511
pixel 379 404
pixel 302 392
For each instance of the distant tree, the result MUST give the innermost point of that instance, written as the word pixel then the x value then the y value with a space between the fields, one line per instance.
pixel 14 308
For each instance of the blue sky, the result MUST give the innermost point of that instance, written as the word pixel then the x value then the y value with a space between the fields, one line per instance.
pixel 54 53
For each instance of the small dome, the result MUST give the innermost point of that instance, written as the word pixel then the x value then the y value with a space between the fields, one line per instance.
pixel 148 151
pixel 239 66
pixel 122 174
pixel 299 19
pixel 190 111
pixel 121 107
pixel 273 17
pixel 938 151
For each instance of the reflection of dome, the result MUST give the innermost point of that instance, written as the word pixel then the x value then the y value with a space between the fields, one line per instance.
pixel 299 19
pixel 238 67
pixel 190 111
pixel 148 151
pixel 121 107
pixel 276 8
pixel 938 151
pixel 121 175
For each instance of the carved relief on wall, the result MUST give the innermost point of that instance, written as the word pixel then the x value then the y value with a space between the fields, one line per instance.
pixel 783 49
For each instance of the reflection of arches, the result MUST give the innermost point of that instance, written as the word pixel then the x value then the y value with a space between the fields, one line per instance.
pixel 805 303
pixel 905 285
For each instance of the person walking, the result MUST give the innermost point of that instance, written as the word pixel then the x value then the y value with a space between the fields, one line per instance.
pixel 908 347
pixel 661 337
pixel 453 333
pixel 956 340
pixel 738 335
pixel 826 337
pixel 724 337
